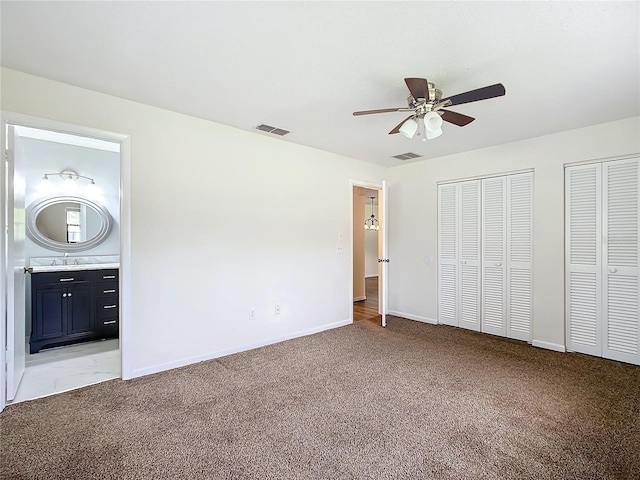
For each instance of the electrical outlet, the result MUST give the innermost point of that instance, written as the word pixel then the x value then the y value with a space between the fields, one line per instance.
pixel 276 309
pixel 252 314
pixel 339 249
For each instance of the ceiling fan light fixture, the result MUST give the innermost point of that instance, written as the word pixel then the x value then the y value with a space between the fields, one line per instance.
pixel 409 128
pixel 432 125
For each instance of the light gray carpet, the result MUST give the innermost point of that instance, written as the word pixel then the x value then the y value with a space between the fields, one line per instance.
pixel 412 401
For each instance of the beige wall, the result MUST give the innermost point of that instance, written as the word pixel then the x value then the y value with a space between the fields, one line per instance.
pixel 413 197
pixel 371 264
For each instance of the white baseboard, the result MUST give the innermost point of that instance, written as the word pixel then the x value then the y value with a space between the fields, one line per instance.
pixel 417 318
pixel 359 299
pixel 140 372
pixel 549 346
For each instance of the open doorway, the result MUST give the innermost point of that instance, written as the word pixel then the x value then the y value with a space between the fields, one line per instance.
pixel 62 256
pixel 367 250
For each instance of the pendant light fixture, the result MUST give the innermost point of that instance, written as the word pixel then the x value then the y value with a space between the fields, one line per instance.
pixel 372 222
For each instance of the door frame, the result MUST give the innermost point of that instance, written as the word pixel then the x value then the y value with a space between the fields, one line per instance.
pixel 382 247
pixel 124 140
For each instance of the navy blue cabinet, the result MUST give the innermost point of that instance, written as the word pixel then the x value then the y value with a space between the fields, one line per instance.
pixel 68 307
pixel 108 311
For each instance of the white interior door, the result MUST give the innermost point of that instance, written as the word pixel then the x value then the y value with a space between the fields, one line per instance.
pixel 583 264
pixel 448 254
pixel 469 254
pixel 15 257
pixel 494 256
pixel 519 255
pixel 621 249
pixel 384 290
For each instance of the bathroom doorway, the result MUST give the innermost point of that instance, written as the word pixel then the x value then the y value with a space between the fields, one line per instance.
pixel 46 166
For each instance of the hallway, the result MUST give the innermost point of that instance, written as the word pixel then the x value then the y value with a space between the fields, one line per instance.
pixel 368 309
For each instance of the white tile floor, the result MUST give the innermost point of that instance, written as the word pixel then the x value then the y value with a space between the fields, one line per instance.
pixel 61 369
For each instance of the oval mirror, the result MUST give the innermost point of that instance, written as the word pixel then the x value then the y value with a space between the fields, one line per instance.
pixel 68 223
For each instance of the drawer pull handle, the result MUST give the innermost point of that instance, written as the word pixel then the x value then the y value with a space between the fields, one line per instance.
pixel 67 279
pixel 106 277
pixel 108 291
pixel 109 306
pixel 109 322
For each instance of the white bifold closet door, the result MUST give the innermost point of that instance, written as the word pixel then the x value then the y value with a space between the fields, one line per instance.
pixel 506 256
pixel 602 250
pixel 459 254
pixel 484 255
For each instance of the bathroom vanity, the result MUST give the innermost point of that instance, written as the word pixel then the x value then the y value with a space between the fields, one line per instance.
pixel 71 298
pixel 72 303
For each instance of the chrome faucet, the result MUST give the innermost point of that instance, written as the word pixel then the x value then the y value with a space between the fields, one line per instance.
pixel 64 261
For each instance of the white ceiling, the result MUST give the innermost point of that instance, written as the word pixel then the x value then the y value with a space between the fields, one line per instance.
pixel 306 66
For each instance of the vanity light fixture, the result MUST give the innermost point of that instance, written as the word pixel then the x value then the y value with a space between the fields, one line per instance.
pixel 68 175
pixel 372 222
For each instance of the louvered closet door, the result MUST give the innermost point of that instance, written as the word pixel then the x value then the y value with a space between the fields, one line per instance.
pixel 494 256
pixel 519 252
pixel 621 329
pixel 469 240
pixel 447 255
pixel 583 252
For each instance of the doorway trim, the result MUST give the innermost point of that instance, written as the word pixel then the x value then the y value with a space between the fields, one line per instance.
pixel 124 140
pixel 379 188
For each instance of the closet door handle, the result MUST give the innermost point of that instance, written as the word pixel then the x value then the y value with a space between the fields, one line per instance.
pixel 498 264
pixel 64 295
pixel 463 262
pixel 613 270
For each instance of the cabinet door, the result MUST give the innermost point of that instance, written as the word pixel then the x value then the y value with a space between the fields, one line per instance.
pixel 494 256
pixel 50 313
pixel 80 310
pixel 620 210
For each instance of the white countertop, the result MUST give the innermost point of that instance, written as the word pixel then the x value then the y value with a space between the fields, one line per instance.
pixel 72 268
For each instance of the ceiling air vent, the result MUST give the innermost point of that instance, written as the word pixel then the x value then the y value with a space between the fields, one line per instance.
pixel 269 129
pixel 406 156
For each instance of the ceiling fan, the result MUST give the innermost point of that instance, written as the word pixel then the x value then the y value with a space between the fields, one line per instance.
pixel 426 103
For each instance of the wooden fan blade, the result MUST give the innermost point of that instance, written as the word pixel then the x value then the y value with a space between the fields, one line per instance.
pixel 483 93
pixel 419 87
pixel 381 110
pixel 397 127
pixel 456 118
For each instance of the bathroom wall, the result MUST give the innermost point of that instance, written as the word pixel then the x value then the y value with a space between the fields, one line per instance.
pixel 38 157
